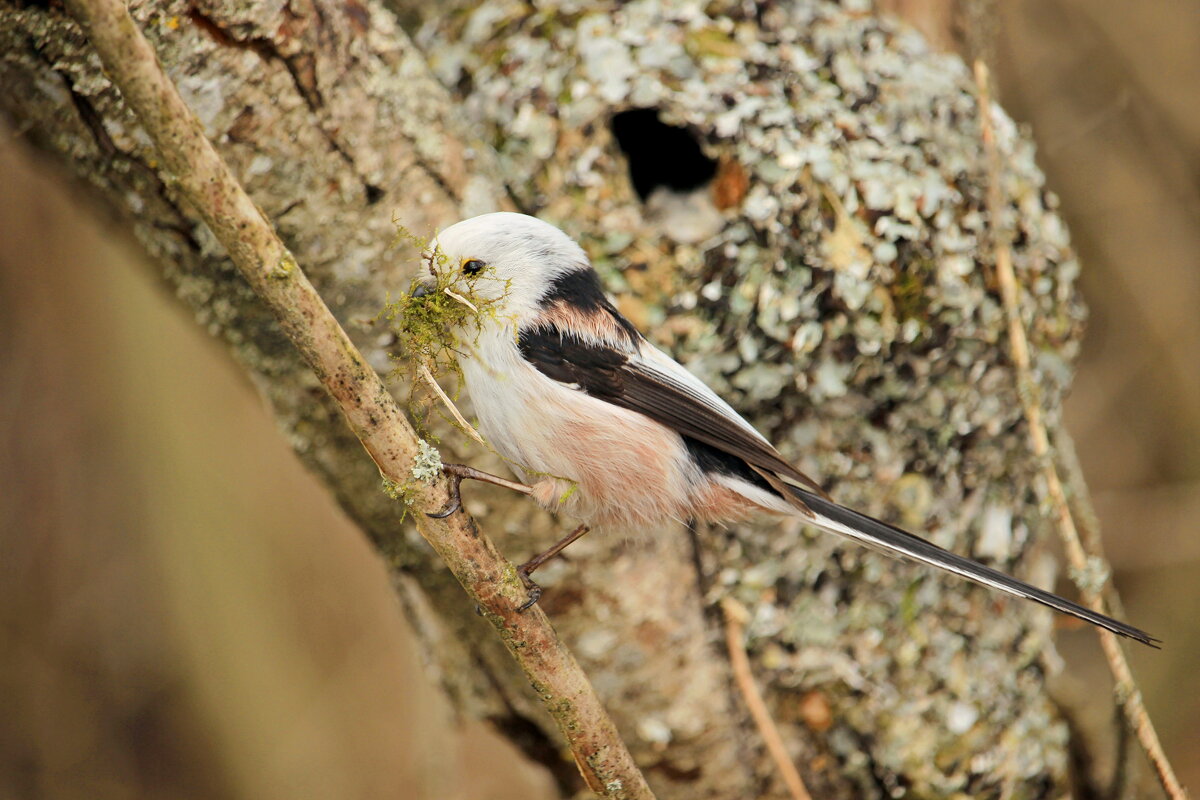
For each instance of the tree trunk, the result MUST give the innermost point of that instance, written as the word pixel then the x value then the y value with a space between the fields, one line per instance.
pixel 791 201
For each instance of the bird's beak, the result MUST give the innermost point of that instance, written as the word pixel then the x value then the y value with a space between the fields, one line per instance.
pixel 421 290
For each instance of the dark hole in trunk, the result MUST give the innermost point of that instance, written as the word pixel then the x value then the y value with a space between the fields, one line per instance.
pixel 660 154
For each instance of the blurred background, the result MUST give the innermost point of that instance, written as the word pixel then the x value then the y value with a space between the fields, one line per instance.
pixel 185 613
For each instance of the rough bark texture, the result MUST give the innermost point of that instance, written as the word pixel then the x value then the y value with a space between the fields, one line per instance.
pixel 831 281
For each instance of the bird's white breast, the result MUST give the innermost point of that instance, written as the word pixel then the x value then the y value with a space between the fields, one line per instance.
pixel 497 380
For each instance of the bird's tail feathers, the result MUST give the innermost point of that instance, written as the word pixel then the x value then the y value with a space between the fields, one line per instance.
pixel 829 516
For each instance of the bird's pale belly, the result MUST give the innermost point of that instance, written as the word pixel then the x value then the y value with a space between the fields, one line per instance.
pixel 599 463
pixel 606 466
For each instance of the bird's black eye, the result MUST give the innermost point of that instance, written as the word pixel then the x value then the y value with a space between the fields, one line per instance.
pixel 473 266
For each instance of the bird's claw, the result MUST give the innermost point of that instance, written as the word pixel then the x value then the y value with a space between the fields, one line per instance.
pixel 456 478
pixel 455 504
pixel 535 591
pixel 535 594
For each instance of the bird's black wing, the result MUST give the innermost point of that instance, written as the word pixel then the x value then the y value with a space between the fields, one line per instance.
pixel 654 385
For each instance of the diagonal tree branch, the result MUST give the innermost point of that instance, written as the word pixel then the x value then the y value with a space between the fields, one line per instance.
pixel 273 273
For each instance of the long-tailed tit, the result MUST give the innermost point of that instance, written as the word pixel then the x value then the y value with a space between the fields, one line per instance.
pixel 612 431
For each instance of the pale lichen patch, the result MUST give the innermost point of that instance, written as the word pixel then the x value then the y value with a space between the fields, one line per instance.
pixel 427 466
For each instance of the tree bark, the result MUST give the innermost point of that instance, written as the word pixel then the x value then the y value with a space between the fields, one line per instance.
pixel 831 280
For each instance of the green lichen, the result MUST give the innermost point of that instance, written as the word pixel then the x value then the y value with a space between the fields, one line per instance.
pixel 908 295
pixel 392 489
pixel 404 492
pixel 285 267
pixel 574 487
pixel 711 41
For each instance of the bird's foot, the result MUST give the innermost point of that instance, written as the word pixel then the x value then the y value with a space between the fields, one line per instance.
pixel 531 586
pixel 526 569
pixel 457 473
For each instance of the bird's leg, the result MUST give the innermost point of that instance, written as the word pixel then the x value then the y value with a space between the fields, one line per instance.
pixel 526 569
pixel 457 473
pixel 460 472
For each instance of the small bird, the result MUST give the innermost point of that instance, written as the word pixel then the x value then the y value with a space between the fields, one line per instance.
pixel 612 431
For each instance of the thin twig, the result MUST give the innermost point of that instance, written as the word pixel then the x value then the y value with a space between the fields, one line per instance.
pixel 467 427
pixel 1128 695
pixel 460 299
pixel 207 184
pixel 735 635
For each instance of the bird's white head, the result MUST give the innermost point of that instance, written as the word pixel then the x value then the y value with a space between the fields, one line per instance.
pixel 509 260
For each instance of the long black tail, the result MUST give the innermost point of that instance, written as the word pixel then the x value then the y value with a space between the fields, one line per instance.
pixel 840 520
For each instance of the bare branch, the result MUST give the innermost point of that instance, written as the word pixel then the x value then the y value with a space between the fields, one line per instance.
pixel 735 633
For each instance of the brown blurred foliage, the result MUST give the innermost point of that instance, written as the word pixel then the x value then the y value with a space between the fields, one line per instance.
pixel 185 613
